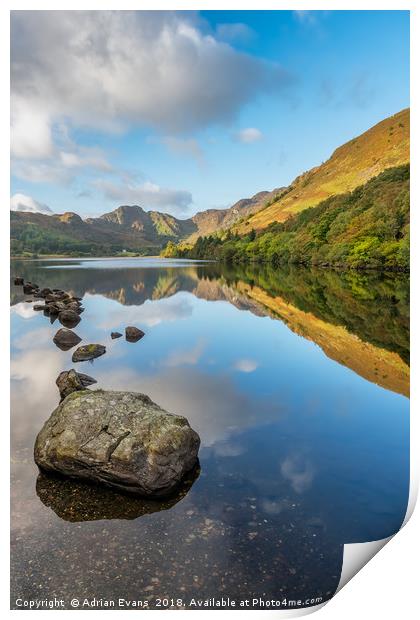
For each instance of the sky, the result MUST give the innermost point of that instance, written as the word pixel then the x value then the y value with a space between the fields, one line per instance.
pixel 185 111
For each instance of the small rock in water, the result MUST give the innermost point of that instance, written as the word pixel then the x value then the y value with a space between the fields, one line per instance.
pixel 55 308
pixel 88 352
pixel 86 379
pixel 44 292
pixel 69 318
pixel 29 288
pixel 120 439
pixel 133 334
pixel 65 339
pixel 18 281
pixel 74 306
pixel 70 381
pixel 40 307
pixel 115 335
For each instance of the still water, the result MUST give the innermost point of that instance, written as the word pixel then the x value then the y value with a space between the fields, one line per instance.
pixel 296 381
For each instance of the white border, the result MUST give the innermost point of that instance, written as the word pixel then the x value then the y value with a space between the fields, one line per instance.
pixel 388 585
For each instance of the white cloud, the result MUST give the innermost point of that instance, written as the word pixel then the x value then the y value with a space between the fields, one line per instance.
pixel 184 146
pixel 147 195
pixel 235 32
pixel 50 171
pixel 111 69
pixel 248 135
pixel 22 202
pixel 30 130
pixel 245 365
pixel 86 158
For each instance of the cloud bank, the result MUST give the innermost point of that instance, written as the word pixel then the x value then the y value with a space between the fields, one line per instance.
pixel 22 202
pixel 107 69
pixel 148 195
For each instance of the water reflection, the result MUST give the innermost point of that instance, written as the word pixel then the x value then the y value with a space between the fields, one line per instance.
pixel 326 307
pixel 281 373
pixel 77 501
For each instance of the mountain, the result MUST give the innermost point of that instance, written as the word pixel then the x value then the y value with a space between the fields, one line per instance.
pixel 131 228
pixel 213 220
pixel 385 145
pixel 128 228
pixel 365 228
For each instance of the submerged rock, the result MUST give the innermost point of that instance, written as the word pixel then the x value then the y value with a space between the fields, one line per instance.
pixel 88 352
pixel 66 339
pixel 70 381
pixel 115 335
pixel 18 281
pixel 75 501
pixel 133 334
pixel 121 439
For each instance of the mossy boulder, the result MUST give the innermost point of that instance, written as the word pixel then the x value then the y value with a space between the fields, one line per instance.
pixel 120 439
pixel 88 352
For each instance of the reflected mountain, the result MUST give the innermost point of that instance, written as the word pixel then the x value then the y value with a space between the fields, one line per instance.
pixel 76 501
pixel 359 319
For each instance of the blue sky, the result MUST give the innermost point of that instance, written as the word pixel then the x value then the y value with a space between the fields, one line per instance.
pixel 181 112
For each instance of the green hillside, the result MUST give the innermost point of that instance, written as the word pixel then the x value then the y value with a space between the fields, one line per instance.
pixel 383 146
pixel 365 228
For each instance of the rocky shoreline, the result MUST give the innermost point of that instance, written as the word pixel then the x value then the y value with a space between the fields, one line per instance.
pixel 121 440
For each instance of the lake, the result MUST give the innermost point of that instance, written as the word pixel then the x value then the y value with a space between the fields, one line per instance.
pixel 297 382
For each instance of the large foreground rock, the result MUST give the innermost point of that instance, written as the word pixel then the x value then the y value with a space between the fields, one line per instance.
pixel 121 439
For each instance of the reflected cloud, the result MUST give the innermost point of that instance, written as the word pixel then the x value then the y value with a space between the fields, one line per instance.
pixel 275 506
pixel 299 472
pixel 149 314
pixel 245 365
pixel 186 357
pixel 24 310
pixel 228 448
pixel 33 338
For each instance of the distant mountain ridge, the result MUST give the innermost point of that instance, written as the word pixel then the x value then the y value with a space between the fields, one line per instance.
pixel 129 227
